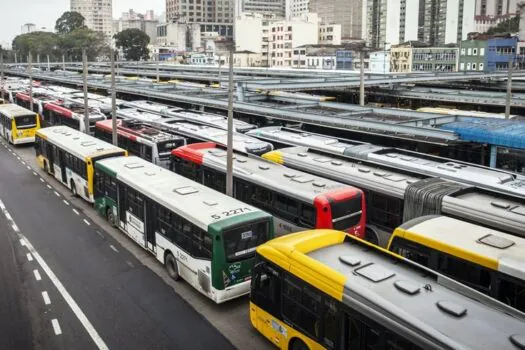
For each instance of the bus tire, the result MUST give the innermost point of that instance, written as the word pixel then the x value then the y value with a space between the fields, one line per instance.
pixel 110 217
pixel 74 189
pixel 171 266
pixel 297 344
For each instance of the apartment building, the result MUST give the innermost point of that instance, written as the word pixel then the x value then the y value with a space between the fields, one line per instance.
pixel 487 53
pixel 496 7
pixel 329 34
pixel 131 19
pixel 348 13
pixel 97 13
pixel 267 7
pixel 200 11
pixel 274 38
pixel 296 8
pixel 447 21
pixel 419 57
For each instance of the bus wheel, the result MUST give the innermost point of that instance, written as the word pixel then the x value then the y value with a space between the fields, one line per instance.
pixel 171 266
pixel 74 189
pixel 298 344
pixel 111 217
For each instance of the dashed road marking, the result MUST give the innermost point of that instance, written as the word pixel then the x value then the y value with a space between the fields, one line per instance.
pixel 87 222
pixel 130 264
pixel 23 162
pixel 65 202
pixel 29 257
pixel 47 301
pixel 41 179
pixel 113 247
pixel 48 186
pixel 15 227
pixel 57 194
pixel 76 212
pixel 34 173
pixel 37 275
pixel 28 167
pixel 99 233
pixel 99 342
pixel 56 326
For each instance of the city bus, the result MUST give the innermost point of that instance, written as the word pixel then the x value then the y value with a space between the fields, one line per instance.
pixel 297 200
pixel 141 140
pixel 200 235
pixel 394 195
pixel 17 124
pixel 69 156
pixel 487 260
pixel 71 114
pixel 324 289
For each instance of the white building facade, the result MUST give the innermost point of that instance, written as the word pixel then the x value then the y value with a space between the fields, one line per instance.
pixel 296 8
pixel 496 7
pixel 329 34
pixel 379 62
pixel 436 22
pixel 97 13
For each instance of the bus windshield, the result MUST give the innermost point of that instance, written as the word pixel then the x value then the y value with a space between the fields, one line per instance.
pixel 25 121
pixel 347 213
pixel 240 242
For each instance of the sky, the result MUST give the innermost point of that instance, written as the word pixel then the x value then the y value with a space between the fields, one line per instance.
pixel 43 13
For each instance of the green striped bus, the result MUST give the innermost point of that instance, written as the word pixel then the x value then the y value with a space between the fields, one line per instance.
pixel 200 235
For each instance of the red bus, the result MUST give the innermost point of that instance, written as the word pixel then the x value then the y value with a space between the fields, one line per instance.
pixel 297 200
pixel 70 114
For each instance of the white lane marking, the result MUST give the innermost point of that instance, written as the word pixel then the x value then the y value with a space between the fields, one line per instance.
pixel 113 247
pixel 41 179
pixel 57 194
pixel 23 162
pixel 28 167
pixel 22 242
pixel 48 186
pixel 47 301
pixel 37 275
pixel 99 342
pixel 15 228
pixel 34 173
pixel 130 264
pixel 99 233
pixel 65 202
pixel 87 222
pixel 56 326
pixel 17 157
pixel 8 216
pixel 29 257
pixel 76 211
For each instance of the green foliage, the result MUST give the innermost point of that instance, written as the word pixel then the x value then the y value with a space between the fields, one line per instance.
pixel 42 43
pixel 134 42
pixel 503 27
pixel 69 21
pixel 73 43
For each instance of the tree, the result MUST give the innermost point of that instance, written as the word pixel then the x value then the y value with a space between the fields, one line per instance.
pixel 511 25
pixel 74 42
pixel 134 42
pixel 69 21
pixel 43 43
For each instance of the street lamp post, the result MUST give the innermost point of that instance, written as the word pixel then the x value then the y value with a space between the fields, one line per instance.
pixel 229 155
pixel 384 57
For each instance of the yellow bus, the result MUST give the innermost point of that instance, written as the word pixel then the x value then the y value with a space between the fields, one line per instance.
pixel 323 289
pixel 70 155
pixel 487 260
pixel 17 124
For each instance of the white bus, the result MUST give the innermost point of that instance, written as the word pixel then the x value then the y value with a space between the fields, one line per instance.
pixel 17 124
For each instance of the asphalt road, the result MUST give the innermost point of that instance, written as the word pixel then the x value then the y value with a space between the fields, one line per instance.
pixel 117 301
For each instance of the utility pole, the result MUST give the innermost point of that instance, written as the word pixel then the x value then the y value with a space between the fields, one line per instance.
pixel 48 64
pixel 229 154
pixel 219 68
pixel 158 72
pixel 113 100
pixel 29 61
pixel 362 79
pixel 16 58
pixel 64 63
pixel 2 86
pixel 38 60
pixel 86 105
pixel 509 88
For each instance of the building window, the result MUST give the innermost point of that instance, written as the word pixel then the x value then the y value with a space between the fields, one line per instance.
pixel 481 66
pixel 468 66
pixel 463 52
pixel 469 51
pixel 475 52
pixel 474 66
pixel 482 51
pixel 462 66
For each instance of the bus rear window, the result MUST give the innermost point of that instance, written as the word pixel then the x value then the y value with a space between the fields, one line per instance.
pixel 240 242
pixel 25 121
pixel 346 213
pixel 168 146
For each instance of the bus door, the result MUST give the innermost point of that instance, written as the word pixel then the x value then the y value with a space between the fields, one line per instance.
pixel 50 154
pixel 59 160
pixel 150 228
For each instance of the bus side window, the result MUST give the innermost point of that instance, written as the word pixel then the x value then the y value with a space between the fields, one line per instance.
pixel 476 277
pixel 511 291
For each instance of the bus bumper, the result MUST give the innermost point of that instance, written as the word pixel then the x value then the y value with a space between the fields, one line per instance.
pixel 24 140
pixel 232 292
